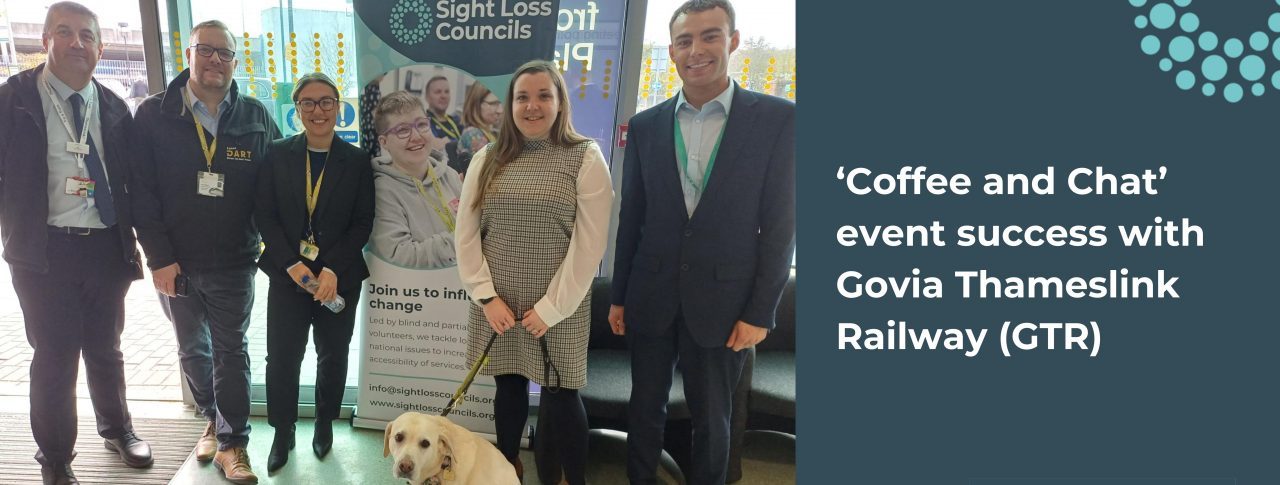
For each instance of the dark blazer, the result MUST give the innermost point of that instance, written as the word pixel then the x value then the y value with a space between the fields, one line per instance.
pixel 24 171
pixel 343 217
pixel 730 261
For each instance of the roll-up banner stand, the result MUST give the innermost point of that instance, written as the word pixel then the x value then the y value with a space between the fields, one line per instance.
pixel 413 319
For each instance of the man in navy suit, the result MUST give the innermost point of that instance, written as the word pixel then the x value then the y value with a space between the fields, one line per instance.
pixel 705 238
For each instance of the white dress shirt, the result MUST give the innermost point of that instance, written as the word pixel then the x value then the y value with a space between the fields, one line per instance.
pixel 701 129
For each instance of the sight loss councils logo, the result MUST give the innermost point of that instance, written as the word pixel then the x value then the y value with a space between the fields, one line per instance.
pixel 413 21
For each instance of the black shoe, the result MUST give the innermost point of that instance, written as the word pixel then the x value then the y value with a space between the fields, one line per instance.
pixel 58 475
pixel 135 452
pixel 323 439
pixel 280 447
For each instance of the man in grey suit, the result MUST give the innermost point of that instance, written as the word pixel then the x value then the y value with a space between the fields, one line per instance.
pixel 705 238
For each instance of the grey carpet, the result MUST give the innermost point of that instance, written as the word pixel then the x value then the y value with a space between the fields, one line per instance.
pixel 171 442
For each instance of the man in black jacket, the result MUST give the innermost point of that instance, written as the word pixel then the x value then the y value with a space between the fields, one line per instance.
pixel 200 145
pixel 66 225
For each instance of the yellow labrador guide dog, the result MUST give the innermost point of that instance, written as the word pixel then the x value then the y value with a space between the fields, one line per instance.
pixel 431 450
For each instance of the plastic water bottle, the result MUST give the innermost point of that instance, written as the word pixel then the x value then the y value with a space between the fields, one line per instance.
pixel 335 305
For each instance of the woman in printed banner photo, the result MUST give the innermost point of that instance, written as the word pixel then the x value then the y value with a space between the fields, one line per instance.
pixel 314 209
pixel 417 191
pixel 531 231
pixel 481 113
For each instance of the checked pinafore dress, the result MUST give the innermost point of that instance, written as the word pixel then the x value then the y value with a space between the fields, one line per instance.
pixel 526 223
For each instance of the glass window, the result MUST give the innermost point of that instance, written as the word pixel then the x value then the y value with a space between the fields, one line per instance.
pixel 764 62
pixel 276 42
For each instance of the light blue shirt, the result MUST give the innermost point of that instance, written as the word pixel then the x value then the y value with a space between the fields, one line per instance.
pixel 701 129
pixel 201 110
pixel 69 210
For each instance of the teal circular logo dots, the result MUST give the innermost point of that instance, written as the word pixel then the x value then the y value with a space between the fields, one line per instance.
pixel 1213 68
pixel 1181 48
pixel 1189 22
pixel 1233 48
pixel 1208 41
pixel 1233 65
pixel 1259 41
pixel 1162 16
pixel 1252 68
pixel 1150 45
pixel 1233 93
pixel 1185 80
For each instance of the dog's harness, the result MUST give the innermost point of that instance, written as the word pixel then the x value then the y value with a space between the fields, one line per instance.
pixel 445 473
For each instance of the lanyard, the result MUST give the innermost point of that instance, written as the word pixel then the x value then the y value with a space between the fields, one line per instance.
pixel 442 210
pixel 313 195
pixel 71 131
pixel 208 148
pixel 683 156
pixel 452 133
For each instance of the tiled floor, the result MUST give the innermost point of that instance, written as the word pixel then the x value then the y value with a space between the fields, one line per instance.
pixel 150 352
pixel 148 344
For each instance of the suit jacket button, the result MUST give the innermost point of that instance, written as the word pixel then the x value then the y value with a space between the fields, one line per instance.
pixel 688 233
pixel 684 267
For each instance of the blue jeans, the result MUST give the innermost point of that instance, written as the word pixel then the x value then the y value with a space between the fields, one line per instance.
pixel 211 324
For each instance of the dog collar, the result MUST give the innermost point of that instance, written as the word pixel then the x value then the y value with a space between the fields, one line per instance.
pixel 445 473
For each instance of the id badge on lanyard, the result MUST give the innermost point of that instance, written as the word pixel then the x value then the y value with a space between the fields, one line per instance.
pixel 208 182
pixel 307 248
pixel 80 187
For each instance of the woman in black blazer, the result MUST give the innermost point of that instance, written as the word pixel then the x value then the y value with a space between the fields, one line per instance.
pixel 315 212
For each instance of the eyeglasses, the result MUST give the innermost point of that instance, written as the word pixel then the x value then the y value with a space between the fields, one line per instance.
pixel 493 104
pixel 205 50
pixel 309 105
pixel 404 130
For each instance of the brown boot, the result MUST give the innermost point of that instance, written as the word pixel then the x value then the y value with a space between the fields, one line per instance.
pixel 234 463
pixel 208 444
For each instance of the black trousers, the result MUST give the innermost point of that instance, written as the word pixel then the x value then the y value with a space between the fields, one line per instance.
pixel 75 309
pixel 710 376
pixel 291 313
pixel 562 423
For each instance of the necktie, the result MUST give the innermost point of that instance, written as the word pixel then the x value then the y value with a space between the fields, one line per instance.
pixel 92 162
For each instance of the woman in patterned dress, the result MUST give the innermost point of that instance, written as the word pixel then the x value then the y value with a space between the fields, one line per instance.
pixel 532 226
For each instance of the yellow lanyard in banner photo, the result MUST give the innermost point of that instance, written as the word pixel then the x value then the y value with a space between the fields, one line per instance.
pixel 450 129
pixel 440 205
pixel 308 248
pixel 208 183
